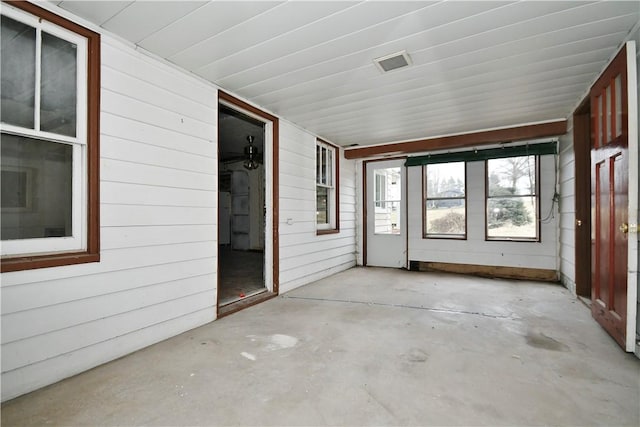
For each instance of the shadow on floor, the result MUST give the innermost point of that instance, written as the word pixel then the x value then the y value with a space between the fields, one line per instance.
pixel 241 274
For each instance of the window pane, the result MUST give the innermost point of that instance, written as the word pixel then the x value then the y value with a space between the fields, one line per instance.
pixel 58 96
pixel 608 113
pixel 600 118
pixel 18 57
pixel 512 176
pixel 322 205
pixel 324 165
pixel 329 167
pixel 445 202
pixel 387 196
pixel 318 165
pixel 618 84
pixel 445 180
pixel 446 216
pixel 387 220
pixel 380 189
pixel 36 188
pixel 512 217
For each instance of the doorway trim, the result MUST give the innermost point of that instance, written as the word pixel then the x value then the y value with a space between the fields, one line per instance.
pixel 272 246
pixel 582 192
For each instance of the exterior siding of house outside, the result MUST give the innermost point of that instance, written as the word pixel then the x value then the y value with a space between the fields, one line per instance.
pixel 158 272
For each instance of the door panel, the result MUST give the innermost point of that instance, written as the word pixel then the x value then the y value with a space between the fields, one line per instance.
pixel 386 214
pixel 610 198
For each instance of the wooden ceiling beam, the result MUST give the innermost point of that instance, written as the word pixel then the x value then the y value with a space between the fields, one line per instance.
pixel 519 133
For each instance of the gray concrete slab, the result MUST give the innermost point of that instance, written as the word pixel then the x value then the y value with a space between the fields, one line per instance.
pixel 367 347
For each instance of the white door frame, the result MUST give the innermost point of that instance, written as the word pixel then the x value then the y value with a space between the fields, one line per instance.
pixel 633 279
pixel 366 199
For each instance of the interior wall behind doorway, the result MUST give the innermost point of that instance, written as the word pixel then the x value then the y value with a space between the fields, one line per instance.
pixel 245 206
pixel 242 190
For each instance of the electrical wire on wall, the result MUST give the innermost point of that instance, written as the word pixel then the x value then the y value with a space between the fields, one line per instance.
pixel 556 194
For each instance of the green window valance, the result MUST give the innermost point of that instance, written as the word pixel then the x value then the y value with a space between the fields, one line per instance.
pixel 492 153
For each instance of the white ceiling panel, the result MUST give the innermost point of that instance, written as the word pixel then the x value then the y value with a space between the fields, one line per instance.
pixel 143 18
pixel 356 50
pixel 414 77
pixel 440 40
pixel 288 47
pixel 476 64
pixel 97 12
pixel 205 22
pixel 361 62
pixel 471 72
pixel 272 23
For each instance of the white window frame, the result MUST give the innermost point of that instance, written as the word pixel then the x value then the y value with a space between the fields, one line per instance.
pixel 78 240
pixel 326 179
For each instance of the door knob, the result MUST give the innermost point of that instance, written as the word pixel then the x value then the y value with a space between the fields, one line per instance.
pixel 579 222
pixel 624 228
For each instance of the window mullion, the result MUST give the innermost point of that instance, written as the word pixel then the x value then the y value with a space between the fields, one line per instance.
pixel 36 123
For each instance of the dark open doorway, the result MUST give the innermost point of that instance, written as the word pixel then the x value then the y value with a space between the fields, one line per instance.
pixel 241 229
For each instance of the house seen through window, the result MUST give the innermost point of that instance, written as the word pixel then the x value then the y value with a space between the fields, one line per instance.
pixel 387 197
pixel 445 200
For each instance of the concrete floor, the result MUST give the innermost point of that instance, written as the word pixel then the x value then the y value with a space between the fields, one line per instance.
pixel 367 347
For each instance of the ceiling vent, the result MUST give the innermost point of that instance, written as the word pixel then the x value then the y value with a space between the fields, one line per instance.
pixel 393 62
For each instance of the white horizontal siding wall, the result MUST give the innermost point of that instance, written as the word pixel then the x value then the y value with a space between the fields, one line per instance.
pixel 157 275
pixel 567 210
pixel 475 249
pixel 305 256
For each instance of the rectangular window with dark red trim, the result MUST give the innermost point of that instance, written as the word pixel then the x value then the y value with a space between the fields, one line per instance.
pixel 445 200
pixel 512 198
pixel 327 182
pixel 49 139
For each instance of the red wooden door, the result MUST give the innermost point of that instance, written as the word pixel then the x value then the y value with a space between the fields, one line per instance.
pixel 609 198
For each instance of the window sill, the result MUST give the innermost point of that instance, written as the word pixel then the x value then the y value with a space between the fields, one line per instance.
pixel 445 237
pixel 45 261
pixel 323 232
pixel 513 239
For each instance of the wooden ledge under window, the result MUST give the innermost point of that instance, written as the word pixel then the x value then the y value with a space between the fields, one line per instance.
pixel 45 261
pixel 323 232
